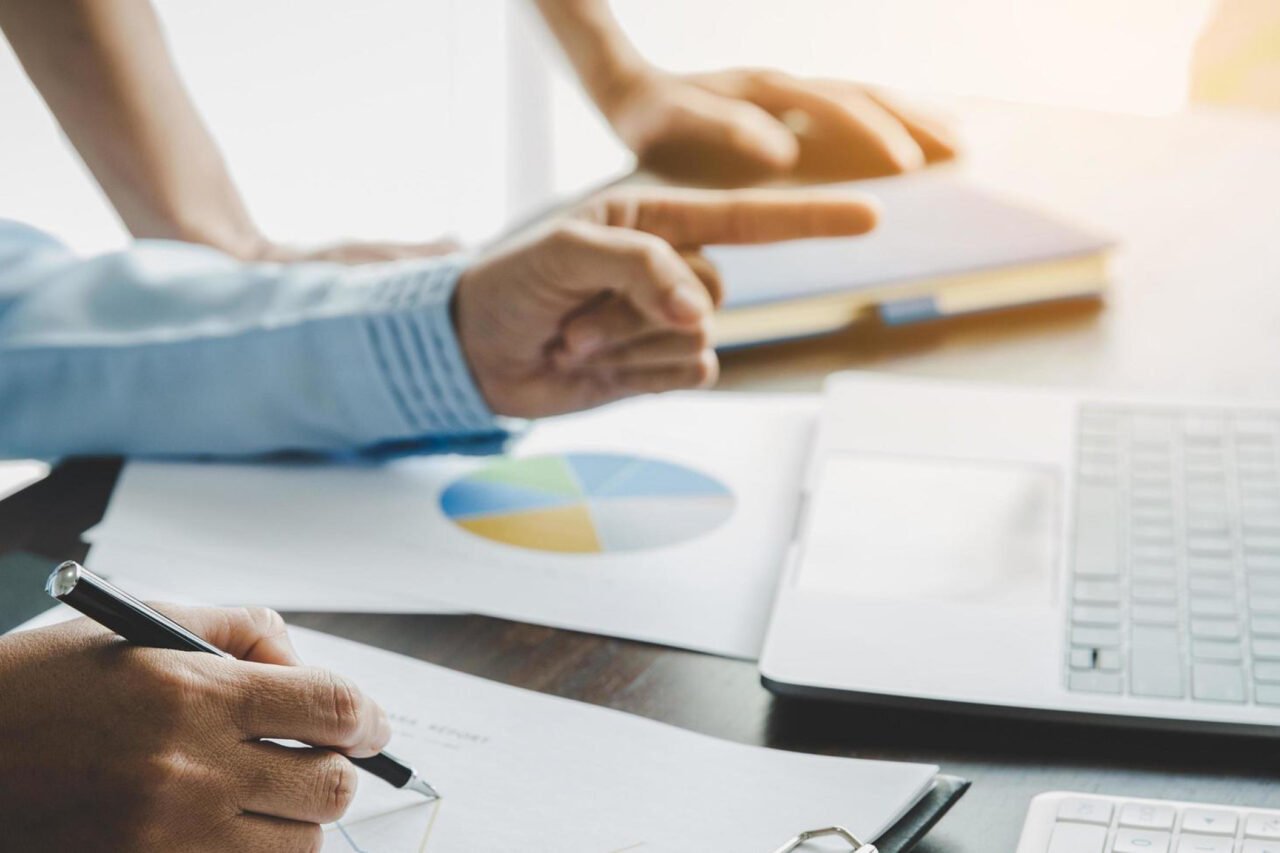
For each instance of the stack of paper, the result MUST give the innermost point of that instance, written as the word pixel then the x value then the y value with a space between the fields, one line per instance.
pixel 523 771
pixel 519 770
pixel 662 519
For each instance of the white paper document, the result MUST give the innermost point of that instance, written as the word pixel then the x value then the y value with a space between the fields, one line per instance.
pixel 522 771
pixel 661 519
pixel 17 474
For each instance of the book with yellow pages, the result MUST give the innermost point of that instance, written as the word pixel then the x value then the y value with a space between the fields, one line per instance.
pixel 943 247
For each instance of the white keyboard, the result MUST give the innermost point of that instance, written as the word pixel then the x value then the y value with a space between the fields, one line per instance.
pixel 1060 822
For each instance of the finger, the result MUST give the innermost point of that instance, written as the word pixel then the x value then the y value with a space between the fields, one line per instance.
pixel 706 273
pixel 248 633
pixel 665 349
pixel 313 785
pixel 262 832
pixel 640 268
pixel 712 134
pixel 932 136
pixel 686 217
pixel 611 324
pixel 315 706
pixel 852 124
pixel 654 380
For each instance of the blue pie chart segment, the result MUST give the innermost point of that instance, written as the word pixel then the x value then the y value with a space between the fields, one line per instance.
pixel 587 503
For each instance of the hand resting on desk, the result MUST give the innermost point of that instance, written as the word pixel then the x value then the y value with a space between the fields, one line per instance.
pixel 109 746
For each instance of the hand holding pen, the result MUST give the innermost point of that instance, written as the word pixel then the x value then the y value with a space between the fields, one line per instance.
pixel 134 748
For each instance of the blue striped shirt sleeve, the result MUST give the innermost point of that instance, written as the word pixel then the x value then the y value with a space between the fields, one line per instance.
pixel 174 349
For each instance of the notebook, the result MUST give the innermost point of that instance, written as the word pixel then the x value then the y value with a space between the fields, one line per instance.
pixel 943 247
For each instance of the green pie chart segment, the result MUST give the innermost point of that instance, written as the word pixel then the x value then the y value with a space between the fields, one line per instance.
pixel 587 503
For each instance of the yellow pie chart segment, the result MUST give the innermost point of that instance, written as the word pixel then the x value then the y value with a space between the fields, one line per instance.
pixel 586 503
pixel 567 529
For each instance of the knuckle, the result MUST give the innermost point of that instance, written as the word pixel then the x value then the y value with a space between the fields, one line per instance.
pixel 570 234
pixel 342 703
pixel 267 621
pixel 336 781
pixel 171 683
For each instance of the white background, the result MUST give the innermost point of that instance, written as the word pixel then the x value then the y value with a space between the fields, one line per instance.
pixel 400 119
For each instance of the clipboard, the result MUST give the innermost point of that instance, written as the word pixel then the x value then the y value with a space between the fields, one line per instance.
pixel 903 835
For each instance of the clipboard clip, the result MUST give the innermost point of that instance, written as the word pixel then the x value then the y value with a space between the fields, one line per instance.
pixel 829 832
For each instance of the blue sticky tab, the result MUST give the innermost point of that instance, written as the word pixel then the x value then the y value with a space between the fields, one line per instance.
pixel 909 311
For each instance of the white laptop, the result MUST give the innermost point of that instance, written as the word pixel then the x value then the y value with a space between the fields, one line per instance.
pixel 1036 552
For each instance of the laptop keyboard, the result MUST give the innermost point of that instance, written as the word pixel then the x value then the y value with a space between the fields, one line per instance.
pixel 1062 822
pixel 1175 586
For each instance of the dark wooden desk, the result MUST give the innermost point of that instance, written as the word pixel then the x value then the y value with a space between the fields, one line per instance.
pixel 1177 322
pixel 1008 762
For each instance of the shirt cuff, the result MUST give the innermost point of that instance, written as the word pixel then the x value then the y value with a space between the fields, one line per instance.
pixel 411 334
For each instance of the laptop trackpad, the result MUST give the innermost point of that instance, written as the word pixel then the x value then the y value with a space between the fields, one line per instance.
pixel 890 528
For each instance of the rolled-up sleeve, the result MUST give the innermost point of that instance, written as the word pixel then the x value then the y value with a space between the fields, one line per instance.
pixel 173 349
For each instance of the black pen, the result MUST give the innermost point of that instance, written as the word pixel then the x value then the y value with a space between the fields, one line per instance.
pixel 113 608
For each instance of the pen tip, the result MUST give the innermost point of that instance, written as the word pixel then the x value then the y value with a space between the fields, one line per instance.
pixel 416 784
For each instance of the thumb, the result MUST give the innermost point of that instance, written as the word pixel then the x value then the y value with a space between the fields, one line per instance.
pixel 248 633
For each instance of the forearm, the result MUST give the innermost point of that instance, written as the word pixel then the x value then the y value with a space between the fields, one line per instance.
pixel 175 349
pixel 103 68
pixel 605 60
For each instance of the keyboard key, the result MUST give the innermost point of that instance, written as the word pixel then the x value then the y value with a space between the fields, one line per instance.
pixel 1095 682
pixel 1267 694
pixel 1156 671
pixel 1215 629
pixel 1267 671
pixel 1256 846
pixel 1156 593
pixel 1209 822
pixel 1264 585
pixel 1108 659
pixel 1213 608
pixel 1218 587
pixel 1217 650
pixel 1266 649
pixel 1141 841
pixel 1188 843
pixel 1098 638
pixel 1091 614
pixel 1085 810
pixel 1265 826
pixel 1268 604
pixel 1096 592
pixel 1153 614
pixel 1148 816
pixel 1153 636
pixel 1262 562
pixel 1265 626
pixel 1217 682
pixel 1077 838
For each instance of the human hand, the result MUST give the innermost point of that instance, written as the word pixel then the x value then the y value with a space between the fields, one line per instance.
pixel 739 127
pixel 615 299
pixel 108 746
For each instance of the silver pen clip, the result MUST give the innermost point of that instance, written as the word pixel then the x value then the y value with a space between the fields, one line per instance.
pixel 829 832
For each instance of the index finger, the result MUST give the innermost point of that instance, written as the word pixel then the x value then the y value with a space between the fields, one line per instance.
pixel 707 217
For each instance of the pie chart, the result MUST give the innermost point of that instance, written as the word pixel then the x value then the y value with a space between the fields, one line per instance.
pixel 587 503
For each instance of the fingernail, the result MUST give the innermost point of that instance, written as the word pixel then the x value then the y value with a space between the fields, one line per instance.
pixel 683 307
